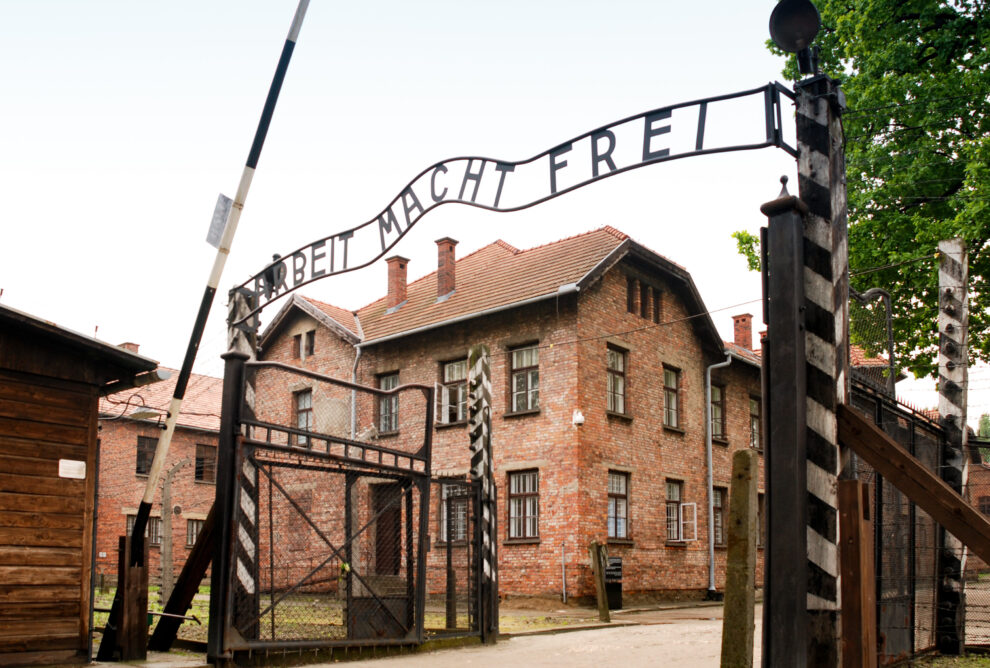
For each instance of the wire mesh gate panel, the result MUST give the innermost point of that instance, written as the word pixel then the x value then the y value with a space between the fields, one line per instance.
pixel 329 526
pixel 905 537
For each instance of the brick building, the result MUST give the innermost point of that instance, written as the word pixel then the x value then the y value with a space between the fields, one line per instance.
pixel 599 348
pixel 130 423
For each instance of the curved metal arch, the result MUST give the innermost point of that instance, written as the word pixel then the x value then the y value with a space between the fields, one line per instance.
pixel 270 282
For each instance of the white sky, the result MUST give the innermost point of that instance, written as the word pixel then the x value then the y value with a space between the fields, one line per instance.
pixel 121 121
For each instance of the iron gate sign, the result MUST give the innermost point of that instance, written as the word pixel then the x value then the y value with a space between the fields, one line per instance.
pixel 666 133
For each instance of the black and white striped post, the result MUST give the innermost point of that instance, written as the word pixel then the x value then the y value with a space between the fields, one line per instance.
pixel 953 329
pixel 482 470
pixel 822 187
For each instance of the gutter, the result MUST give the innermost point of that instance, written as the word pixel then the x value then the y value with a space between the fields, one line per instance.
pixel 570 288
pixel 712 595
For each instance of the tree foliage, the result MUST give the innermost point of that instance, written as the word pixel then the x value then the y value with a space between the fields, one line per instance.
pixel 916 74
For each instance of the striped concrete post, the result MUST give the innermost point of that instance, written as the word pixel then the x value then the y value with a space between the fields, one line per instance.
pixel 953 331
pixel 482 470
pixel 822 187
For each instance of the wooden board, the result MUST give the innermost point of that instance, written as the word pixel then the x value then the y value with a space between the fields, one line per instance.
pixel 65 505
pixel 25 448
pixel 40 575
pixel 39 537
pixel 38 431
pixel 15 555
pixel 32 484
pixel 44 658
pixel 38 610
pixel 40 520
pixel 35 412
pixel 36 594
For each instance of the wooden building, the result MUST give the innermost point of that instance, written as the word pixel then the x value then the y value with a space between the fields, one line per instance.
pixel 51 380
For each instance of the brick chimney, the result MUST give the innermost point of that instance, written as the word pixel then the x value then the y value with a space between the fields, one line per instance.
pixel 742 326
pixel 396 280
pixel 445 266
pixel 133 347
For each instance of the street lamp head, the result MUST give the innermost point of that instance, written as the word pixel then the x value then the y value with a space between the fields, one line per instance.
pixel 794 24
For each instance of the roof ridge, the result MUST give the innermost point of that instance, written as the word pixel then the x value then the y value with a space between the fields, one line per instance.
pixel 507 246
pixel 606 228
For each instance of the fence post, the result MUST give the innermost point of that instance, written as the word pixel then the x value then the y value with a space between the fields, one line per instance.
pixel 785 591
pixel 740 589
pixel 859 622
pixel 953 325
pixel 822 187
pixel 483 470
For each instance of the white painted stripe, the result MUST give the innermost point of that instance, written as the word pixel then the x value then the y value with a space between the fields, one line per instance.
pixel 817 163
pixel 247 505
pixel 819 353
pixel 822 484
pixel 821 420
pixel 297 20
pixel 819 603
pixel 822 553
pixel 250 473
pixel 246 542
pixel 818 231
pixel 244 575
pixel 818 289
pixel 812 110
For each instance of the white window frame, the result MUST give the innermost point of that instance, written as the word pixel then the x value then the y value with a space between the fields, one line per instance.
pixel 529 505
pixel 445 387
pixel 388 405
pixel 460 496
pixel 530 376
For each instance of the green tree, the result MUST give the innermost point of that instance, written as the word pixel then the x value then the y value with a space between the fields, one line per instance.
pixel 983 428
pixel 916 74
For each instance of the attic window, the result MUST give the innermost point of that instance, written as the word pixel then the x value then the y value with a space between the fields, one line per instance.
pixel 304 345
pixel 630 294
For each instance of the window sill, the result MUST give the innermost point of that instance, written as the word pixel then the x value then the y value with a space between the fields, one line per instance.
pixel 720 441
pixel 623 417
pixel 205 482
pixel 621 541
pixel 676 430
pixel 388 434
pixel 141 475
pixel 676 543
pixel 521 541
pixel 441 544
pixel 451 425
pixel 721 547
pixel 516 414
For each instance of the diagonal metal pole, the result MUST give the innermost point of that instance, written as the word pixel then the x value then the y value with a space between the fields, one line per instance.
pixel 223 250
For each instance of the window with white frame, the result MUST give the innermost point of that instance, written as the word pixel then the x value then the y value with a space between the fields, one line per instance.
pixel 453 393
pixel 618 505
pixel 682 518
pixel 388 406
pixel 525 381
pixel 615 394
pixel 303 405
pixel 755 440
pixel 524 504
pixel 719 496
pixel 718 412
pixel 453 498
pixel 193 529
pixel 671 398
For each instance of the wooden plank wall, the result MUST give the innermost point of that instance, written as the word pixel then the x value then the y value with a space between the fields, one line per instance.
pixel 46 522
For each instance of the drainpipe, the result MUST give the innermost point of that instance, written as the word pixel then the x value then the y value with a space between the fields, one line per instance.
pixel 357 358
pixel 711 596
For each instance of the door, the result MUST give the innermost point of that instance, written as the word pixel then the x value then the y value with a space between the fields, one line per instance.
pixel 386 502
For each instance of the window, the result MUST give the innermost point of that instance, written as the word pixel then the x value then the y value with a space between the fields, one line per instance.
pixel 193 529
pixel 388 406
pixel 618 505
pixel 310 342
pixel 754 424
pixel 644 300
pixel 682 521
pixel 718 413
pixel 153 531
pixel 206 463
pixel 525 380
pixel 719 496
pixel 671 398
pixel 453 395
pixel 304 414
pixel 454 497
pixel 656 306
pixel 984 505
pixel 304 345
pixel 615 396
pixel 630 294
pixel 524 504
pixel 145 454
pixel 297 346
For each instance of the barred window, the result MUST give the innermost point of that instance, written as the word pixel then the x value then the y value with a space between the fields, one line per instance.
pixel 145 454
pixel 674 510
pixel 524 504
pixel 206 463
pixel 719 497
pixel 193 529
pixel 454 498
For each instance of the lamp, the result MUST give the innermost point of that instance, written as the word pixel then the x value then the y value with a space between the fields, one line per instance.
pixel 793 26
pixel 144 413
pixel 577 418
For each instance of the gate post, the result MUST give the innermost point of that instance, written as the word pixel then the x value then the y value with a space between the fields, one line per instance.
pixel 786 582
pixel 482 469
pixel 822 187
pixel 953 330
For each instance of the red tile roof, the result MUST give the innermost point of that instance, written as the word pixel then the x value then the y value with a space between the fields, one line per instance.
pixel 858 357
pixel 200 406
pixel 496 275
pixel 342 316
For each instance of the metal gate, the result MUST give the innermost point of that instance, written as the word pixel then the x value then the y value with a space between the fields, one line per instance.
pixel 329 502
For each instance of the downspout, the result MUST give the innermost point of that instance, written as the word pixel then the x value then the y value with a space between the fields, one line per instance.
pixel 357 358
pixel 711 596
